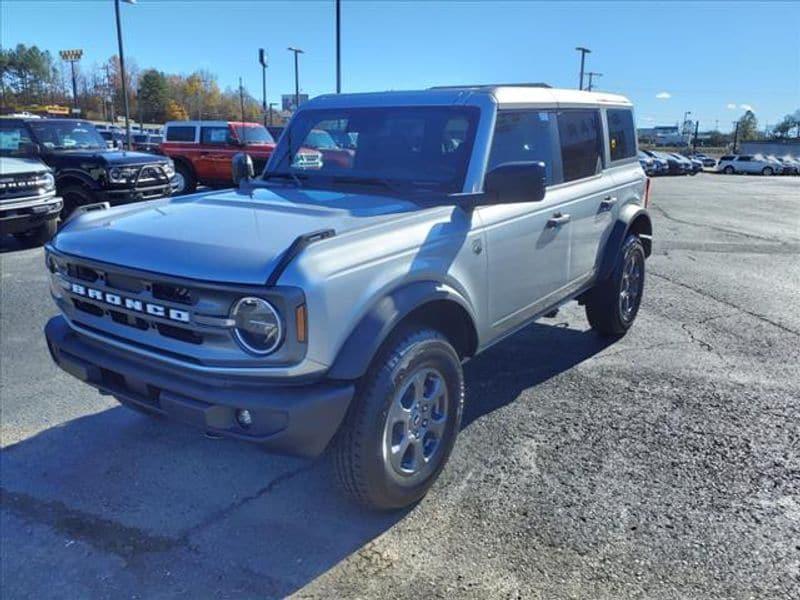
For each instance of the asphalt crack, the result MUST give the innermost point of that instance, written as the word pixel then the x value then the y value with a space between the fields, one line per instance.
pixel 725 302
pixel 669 217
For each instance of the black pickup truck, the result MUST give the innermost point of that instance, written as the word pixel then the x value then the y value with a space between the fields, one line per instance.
pixel 86 170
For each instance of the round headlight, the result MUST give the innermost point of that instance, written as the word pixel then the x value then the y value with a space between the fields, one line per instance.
pixel 49 181
pixel 258 326
pixel 115 174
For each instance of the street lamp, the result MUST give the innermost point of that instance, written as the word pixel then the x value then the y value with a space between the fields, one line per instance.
pixel 684 129
pixel 584 52
pixel 338 47
pixel 262 58
pixel 122 72
pixel 72 56
pixel 296 76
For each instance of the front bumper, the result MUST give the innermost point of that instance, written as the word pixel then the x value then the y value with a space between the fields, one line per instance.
pixel 293 419
pixel 124 195
pixel 26 213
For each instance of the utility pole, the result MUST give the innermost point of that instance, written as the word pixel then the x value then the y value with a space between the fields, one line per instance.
pixel 296 76
pixel 338 46
pixel 584 52
pixel 262 58
pixel 73 56
pixel 592 75
pixel 735 136
pixel 696 130
pixel 110 97
pixel 271 104
pixel 122 72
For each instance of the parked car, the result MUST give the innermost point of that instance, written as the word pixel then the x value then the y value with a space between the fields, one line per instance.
pixel 686 165
pixel 697 165
pixel 29 207
pixel 86 171
pixel 661 164
pixel 745 163
pixel 146 142
pixel 648 163
pixel 674 165
pixel 115 139
pixel 791 166
pixel 202 150
pixel 334 306
pixel 707 160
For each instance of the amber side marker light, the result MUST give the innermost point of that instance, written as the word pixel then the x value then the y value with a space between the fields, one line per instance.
pixel 300 322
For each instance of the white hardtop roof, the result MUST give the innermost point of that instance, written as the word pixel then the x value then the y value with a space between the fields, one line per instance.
pixel 534 95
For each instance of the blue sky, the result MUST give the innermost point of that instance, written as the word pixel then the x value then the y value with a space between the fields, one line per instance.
pixel 711 58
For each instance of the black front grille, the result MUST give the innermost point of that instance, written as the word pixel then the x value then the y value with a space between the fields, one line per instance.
pixel 21 186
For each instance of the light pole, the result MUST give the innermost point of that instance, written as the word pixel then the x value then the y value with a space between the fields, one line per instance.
pixel 592 75
pixel 338 46
pixel 296 76
pixel 584 52
pixel 271 104
pixel 262 58
pixel 72 56
pixel 122 72
pixel 685 125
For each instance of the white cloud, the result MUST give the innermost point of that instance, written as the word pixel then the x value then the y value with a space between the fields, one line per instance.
pixel 663 95
pixel 746 107
pixel 731 106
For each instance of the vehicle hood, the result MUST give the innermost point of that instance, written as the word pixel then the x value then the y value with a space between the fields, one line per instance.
pixel 16 166
pixel 103 158
pixel 223 237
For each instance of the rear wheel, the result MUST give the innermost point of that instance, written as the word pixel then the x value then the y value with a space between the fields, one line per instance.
pixel 185 180
pixel 728 170
pixel 767 171
pixel 613 304
pixel 403 422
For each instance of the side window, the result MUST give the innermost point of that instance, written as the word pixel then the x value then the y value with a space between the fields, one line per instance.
pixel 214 135
pixel 727 157
pixel 745 158
pixel 14 139
pixel 180 133
pixel 527 135
pixel 581 150
pixel 621 134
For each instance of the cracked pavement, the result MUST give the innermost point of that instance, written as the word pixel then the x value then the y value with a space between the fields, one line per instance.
pixel 662 465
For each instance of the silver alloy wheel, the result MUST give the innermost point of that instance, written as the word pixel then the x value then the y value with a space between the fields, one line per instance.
pixel 415 426
pixel 631 285
pixel 180 183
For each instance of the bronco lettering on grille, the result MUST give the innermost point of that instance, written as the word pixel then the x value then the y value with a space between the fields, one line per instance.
pixel 156 310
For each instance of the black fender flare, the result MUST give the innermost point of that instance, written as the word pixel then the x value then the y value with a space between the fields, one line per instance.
pixel 371 332
pixel 632 219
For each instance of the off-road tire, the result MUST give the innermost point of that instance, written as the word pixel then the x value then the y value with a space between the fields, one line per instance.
pixel 358 450
pixel 189 178
pixel 603 305
pixel 74 196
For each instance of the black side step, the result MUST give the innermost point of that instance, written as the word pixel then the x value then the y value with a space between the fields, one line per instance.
pixel 300 243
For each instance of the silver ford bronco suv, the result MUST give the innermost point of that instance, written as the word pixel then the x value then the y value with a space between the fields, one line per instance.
pixel 332 300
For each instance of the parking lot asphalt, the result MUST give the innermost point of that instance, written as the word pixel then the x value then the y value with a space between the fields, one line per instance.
pixel 665 464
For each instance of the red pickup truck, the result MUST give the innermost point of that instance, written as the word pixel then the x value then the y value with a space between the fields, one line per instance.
pixel 203 150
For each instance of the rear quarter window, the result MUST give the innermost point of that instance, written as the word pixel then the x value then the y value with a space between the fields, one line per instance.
pixel 180 133
pixel 621 134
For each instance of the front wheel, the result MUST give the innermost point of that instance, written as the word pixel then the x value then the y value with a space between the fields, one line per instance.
pixel 728 170
pixel 185 180
pixel 403 422
pixel 613 304
pixel 766 171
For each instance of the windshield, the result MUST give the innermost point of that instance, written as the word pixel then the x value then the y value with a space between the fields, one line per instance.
pixel 428 146
pixel 253 134
pixel 67 135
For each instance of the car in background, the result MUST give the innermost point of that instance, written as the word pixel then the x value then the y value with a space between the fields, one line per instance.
pixel 115 139
pixel 686 165
pixel 29 207
pixel 791 166
pixel 745 163
pixel 697 165
pixel 203 150
pixel 648 163
pixel 146 142
pixel 86 171
pixel 661 163
pixel 707 160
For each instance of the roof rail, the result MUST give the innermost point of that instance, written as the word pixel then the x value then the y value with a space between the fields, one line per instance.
pixel 490 85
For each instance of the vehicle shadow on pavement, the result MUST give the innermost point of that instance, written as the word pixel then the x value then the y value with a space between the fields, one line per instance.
pixel 222 515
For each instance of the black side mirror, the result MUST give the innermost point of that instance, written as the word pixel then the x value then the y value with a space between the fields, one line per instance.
pixel 242 167
pixel 514 182
pixel 29 149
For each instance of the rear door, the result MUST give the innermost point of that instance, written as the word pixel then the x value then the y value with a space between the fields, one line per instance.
pixel 217 147
pixel 592 206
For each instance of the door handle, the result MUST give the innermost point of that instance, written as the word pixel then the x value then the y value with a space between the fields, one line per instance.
pixel 608 201
pixel 558 219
